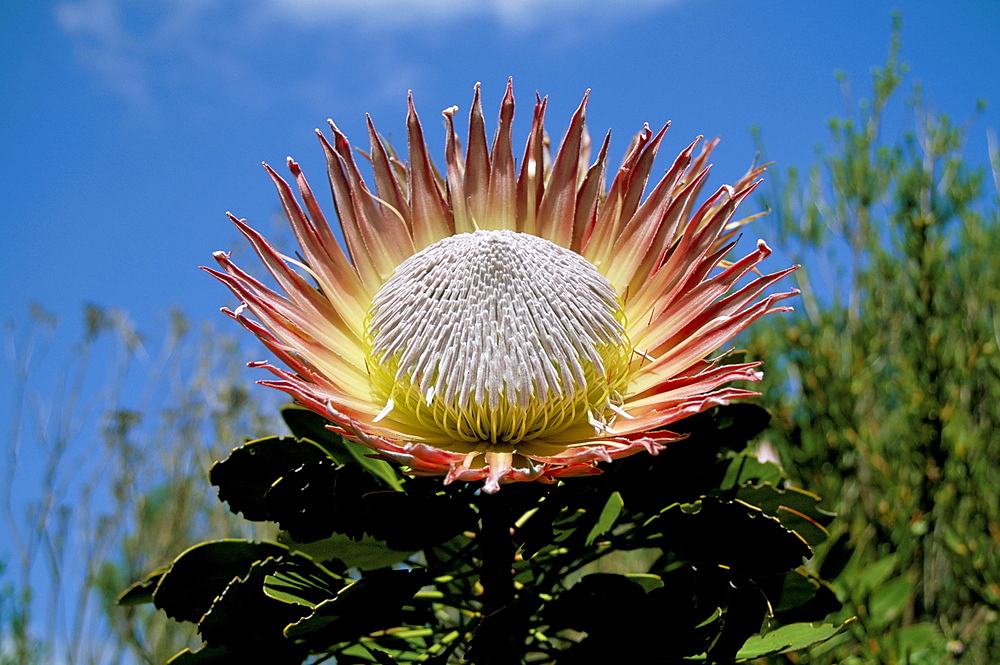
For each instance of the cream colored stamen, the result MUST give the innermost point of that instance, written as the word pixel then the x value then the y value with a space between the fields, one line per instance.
pixel 497 336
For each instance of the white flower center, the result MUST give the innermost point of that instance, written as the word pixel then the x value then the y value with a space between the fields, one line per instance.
pixel 497 337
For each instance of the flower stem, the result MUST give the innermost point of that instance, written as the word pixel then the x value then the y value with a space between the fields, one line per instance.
pixel 497 638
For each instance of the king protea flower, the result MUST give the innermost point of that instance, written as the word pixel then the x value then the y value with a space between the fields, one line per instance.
pixel 505 323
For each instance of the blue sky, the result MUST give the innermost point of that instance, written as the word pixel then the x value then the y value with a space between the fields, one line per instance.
pixel 131 126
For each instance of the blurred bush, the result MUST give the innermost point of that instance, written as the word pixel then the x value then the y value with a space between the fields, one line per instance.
pixel 885 386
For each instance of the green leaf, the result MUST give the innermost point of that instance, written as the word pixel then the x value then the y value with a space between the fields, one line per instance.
pixel 911 640
pixel 788 638
pixel 731 534
pixel 309 425
pixel 303 583
pixel 875 574
pixel 206 656
pixel 888 601
pixel 801 597
pixel 245 619
pixel 248 473
pixel 798 510
pixel 745 468
pixel 609 515
pixel 365 554
pixel 319 499
pixel 736 424
pixel 142 591
pixel 423 516
pixel 647 581
pixel 201 573
pixel 372 603
pixel 598 602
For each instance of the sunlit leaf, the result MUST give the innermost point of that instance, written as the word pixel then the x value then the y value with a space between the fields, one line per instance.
pixel 365 554
pixel 788 638
pixel 142 591
pixel 372 603
pixel 609 515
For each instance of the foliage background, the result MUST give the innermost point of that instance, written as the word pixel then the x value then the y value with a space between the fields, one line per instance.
pixel 885 384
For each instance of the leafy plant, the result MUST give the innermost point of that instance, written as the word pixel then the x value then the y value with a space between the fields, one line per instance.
pixel 887 384
pixel 707 543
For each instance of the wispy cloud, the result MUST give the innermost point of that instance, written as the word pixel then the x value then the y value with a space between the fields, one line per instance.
pixel 104 45
pixel 144 50
pixel 519 15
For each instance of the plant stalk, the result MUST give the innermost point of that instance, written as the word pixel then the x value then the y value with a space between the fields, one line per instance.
pixel 497 637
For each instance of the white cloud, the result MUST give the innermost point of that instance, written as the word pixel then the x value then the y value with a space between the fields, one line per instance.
pixel 145 50
pixel 103 44
pixel 512 14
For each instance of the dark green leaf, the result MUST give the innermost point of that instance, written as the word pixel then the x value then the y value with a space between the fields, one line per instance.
pixel 730 533
pixel 366 553
pixel 309 425
pixel 598 602
pixel 142 591
pixel 415 520
pixel 319 499
pixel 302 582
pixel 196 577
pixel 250 470
pixel 799 597
pixel 647 581
pixel 244 619
pixel 372 603
pixel 207 655
pixel 797 509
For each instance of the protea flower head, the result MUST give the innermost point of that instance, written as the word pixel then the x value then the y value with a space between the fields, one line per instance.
pixel 500 322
